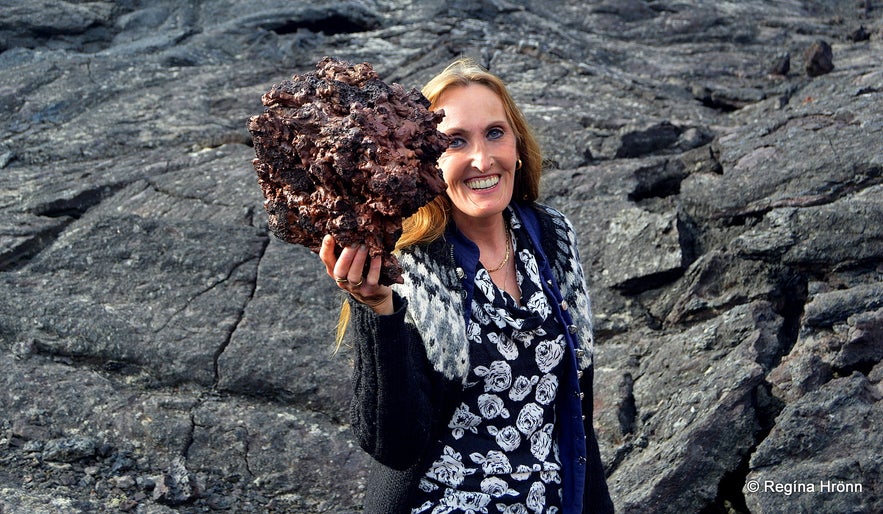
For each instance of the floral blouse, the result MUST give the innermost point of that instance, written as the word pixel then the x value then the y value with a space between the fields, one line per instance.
pixel 501 453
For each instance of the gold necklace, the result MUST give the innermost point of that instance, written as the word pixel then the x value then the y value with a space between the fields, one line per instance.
pixel 506 257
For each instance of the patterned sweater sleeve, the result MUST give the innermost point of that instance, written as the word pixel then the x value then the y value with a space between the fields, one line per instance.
pixel 393 391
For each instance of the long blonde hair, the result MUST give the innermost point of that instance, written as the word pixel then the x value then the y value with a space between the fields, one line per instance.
pixel 430 221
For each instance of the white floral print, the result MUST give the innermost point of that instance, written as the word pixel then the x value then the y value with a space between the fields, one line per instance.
pixel 449 469
pixel 486 285
pixel 541 442
pixel 522 387
pixel 505 345
pixel 480 315
pixel 539 303
pixel 547 389
pixel 536 498
pixel 549 354
pixel 494 463
pixel 473 333
pixel 517 508
pixel 551 476
pixel 527 337
pixel 529 419
pixel 497 377
pixel 496 487
pixel 463 501
pixel 463 420
pixel 508 438
pixel 491 406
pixel 425 506
pixel 505 422
pixel 427 485
pixel 522 473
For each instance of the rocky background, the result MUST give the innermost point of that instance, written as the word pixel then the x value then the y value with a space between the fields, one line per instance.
pixel 161 352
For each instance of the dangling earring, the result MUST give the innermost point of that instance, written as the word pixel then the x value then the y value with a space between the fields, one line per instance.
pixel 518 164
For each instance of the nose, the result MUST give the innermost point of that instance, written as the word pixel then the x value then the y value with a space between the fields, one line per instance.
pixel 482 160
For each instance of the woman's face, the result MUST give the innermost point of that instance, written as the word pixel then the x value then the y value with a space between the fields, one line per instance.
pixel 479 164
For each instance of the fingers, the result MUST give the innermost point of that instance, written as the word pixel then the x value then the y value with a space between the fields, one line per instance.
pixel 327 255
pixel 371 293
pixel 356 265
pixel 374 271
pixel 346 269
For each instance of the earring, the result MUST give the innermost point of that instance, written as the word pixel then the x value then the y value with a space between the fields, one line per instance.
pixel 518 164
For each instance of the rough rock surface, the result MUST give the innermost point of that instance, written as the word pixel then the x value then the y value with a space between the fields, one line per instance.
pixel 340 152
pixel 163 352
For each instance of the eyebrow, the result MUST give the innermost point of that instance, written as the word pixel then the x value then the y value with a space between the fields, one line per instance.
pixel 497 123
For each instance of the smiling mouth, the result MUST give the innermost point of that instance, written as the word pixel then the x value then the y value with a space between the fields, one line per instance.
pixel 481 183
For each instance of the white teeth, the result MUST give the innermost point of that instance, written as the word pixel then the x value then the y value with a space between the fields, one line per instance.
pixel 484 183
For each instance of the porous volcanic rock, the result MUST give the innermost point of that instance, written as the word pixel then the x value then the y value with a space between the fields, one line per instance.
pixel 341 152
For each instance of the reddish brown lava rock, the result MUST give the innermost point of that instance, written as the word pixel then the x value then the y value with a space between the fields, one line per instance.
pixel 340 152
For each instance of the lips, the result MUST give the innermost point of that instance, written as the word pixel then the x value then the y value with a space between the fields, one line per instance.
pixel 480 183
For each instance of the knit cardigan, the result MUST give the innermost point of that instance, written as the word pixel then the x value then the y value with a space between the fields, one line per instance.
pixel 411 366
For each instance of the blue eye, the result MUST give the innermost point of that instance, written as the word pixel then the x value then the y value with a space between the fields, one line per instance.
pixel 495 133
pixel 456 142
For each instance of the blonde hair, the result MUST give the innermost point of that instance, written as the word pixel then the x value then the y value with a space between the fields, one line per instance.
pixel 430 221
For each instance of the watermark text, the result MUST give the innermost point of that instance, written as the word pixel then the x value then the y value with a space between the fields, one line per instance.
pixel 797 486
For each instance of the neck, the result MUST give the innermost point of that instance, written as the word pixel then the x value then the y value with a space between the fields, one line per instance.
pixel 491 235
pixel 490 231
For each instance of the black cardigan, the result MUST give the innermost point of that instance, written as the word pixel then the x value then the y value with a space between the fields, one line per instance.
pixel 401 402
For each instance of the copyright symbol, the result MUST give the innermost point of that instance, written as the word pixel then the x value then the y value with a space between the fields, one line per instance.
pixel 752 486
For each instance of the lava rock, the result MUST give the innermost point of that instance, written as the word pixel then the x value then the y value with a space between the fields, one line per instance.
pixel 781 65
pixel 341 152
pixel 818 59
pixel 69 449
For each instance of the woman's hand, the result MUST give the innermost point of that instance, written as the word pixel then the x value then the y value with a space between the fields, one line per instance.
pixel 346 270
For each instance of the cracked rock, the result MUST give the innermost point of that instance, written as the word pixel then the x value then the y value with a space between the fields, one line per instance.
pixel 176 486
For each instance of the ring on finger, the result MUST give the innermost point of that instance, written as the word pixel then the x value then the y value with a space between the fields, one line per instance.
pixel 340 280
pixel 357 284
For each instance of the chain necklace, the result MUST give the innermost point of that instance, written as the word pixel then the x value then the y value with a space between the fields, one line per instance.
pixel 506 257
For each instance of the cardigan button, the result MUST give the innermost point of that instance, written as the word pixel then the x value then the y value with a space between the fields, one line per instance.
pixel 563 305
pixel 579 374
pixel 582 396
pixel 572 329
pixel 580 352
pixel 460 273
pixel 582 460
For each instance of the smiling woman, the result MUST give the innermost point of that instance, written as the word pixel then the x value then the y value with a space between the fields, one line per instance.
pixel 473 378
pixel 479 170
pixel 479 164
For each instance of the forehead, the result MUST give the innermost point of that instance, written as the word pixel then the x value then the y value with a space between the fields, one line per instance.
pixel 473 101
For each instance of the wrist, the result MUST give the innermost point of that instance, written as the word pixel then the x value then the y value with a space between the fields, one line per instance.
pixel 383 307
pixel 379 304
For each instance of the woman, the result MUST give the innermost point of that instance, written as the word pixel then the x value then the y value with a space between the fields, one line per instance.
pixel 473 379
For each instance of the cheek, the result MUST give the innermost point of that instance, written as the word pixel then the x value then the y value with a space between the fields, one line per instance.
pixel 446 165
pixel 513 151
pixel 506 153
